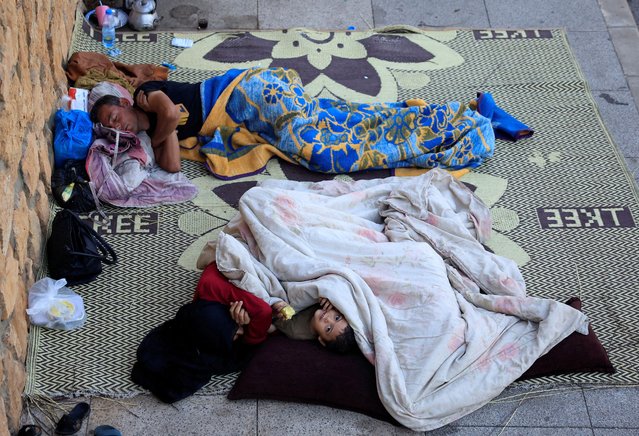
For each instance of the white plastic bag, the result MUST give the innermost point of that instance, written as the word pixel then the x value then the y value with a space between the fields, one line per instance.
pixel 53 305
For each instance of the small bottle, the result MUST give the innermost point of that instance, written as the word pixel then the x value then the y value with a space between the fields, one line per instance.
pixel 108 29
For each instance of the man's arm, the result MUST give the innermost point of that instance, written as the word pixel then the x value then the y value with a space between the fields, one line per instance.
pixel 164 140
pixel 167 113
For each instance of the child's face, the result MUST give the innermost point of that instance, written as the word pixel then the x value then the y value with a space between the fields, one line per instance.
pixel 328 324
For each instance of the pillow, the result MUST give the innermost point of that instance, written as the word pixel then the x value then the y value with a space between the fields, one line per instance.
pixel 305 372
pixel 576 353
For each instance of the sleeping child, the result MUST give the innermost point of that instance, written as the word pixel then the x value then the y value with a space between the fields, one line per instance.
pixel 254 316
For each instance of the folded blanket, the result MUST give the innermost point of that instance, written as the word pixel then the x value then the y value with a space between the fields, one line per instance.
pixel 402 259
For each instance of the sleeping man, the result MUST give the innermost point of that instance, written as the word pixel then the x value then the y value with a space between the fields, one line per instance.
pixel 245 117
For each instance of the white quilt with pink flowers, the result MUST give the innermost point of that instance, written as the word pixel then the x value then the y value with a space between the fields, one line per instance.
pixel 402 259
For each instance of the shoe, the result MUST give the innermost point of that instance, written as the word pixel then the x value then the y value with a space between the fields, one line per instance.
pixel 30 430
pixel 106 430
pixel 505 125
pixel 71 422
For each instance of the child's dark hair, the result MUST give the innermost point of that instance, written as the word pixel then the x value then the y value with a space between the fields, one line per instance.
pixel 344 343
pixel 105 99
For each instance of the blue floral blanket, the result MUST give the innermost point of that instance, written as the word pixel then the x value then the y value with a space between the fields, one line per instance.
pixel 265 112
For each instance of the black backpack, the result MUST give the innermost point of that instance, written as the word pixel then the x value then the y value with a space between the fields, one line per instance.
pixel 75 251
pixel 70 187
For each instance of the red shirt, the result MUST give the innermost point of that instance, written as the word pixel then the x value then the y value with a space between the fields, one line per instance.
pixel 214 286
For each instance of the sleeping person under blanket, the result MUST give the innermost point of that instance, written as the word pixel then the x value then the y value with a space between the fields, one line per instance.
pixel 244 117
pixel 254 316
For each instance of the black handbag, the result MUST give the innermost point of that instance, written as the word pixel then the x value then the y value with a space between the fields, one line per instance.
pixel 75 251
pixel 70 187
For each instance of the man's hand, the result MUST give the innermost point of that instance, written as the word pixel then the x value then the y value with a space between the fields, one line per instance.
pixel 239 314
pixel 142 101
pixel 168 115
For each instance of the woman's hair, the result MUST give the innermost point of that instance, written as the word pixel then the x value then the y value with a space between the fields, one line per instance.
pixel 344 343
pixel 105 99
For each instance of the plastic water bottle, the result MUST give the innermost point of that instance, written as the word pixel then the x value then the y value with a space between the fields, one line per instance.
pixel 108 29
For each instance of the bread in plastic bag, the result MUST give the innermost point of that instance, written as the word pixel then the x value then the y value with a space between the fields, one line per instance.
pixel 53 305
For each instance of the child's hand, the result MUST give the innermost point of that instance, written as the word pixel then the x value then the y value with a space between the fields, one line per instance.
pixel 325 303
pixel 282 310
pixel 239 314
pixel 277 307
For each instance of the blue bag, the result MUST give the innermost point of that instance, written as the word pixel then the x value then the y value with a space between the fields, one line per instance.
pixel 73 136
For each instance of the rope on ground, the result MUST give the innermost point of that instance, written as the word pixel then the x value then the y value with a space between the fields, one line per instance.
pixel 556 391
pixel 513 414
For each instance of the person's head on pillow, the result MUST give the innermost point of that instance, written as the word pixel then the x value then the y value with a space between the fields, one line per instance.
pixel 118 113
pixel 108 88
pixel 332 329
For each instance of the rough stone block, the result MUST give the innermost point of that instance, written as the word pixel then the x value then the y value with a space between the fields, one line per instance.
pixel 10 285
pixel 21 229
pixel 6 207
pixel 3 414
pixel 42 206
pixel 34 249
pixel 30 165
pixel 17 333
pixel 15 376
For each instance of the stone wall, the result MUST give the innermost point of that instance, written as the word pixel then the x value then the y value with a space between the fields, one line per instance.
pixel 34 40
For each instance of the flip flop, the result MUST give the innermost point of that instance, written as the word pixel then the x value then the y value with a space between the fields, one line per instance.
pixel 30 430
pixel 71 422
pixel 106 430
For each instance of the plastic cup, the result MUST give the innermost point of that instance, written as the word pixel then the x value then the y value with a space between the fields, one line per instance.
pixel 100 12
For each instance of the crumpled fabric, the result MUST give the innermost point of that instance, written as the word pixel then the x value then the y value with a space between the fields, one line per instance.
pixel 134 179
pixel 401 258
pixel 135 74
pixel 94 77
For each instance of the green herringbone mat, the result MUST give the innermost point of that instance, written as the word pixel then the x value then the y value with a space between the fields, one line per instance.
pixel 563 203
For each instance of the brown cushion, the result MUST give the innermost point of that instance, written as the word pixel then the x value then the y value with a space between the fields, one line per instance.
pixel 576 353
pixel 303 371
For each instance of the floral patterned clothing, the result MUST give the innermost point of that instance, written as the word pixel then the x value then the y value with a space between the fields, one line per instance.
pixel 266 112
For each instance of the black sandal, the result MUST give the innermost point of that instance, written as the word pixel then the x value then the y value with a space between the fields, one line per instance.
pixel 30 430
pixel 71 422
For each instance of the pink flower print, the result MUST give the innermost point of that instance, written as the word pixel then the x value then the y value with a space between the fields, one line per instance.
pixel 375 283
pixel 396 299
pixel 284 202
pixel 285 207
pixel 504 305
pixel 432 219
pixel 455 342
pixel 372 235
pixel 508 352
pixel 510 284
